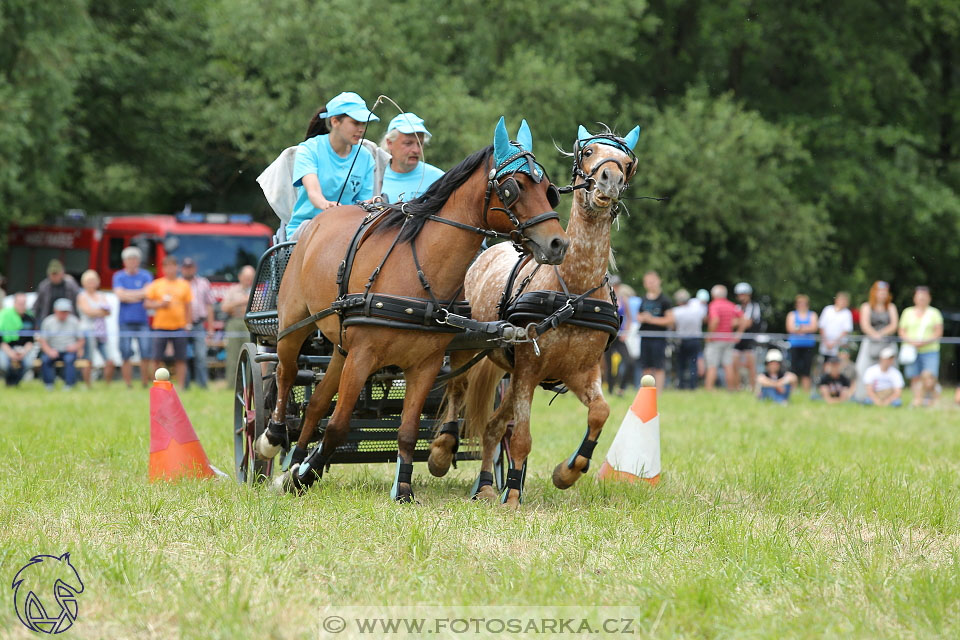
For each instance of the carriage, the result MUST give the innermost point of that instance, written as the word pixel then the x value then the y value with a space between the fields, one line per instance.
pixel 376 418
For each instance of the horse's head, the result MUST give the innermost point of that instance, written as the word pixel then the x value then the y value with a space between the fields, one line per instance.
pixel 526 197
pixel 604 163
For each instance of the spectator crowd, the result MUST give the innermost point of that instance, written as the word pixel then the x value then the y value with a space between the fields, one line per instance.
pixel 157 320
pixel 719 342
pixel 703 339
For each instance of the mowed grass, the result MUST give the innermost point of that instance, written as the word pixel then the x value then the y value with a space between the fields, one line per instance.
pixel 804 521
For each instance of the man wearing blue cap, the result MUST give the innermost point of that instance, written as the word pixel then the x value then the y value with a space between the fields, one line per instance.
pixel 322 172
pixel 407 176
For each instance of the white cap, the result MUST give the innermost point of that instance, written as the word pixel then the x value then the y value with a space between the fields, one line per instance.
pixel 703 295
pixel 774 355
pixel 743 287
pixel 888 352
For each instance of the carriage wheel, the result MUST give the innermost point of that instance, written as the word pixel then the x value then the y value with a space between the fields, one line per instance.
pixel 249 418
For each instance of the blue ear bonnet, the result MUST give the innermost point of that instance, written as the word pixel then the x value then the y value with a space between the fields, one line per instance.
pixel 513 156
pixel 625 144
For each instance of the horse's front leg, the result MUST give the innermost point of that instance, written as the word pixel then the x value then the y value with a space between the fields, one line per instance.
pixel 357 367
pixel 447 440
pixel 589 388
pixel 419 381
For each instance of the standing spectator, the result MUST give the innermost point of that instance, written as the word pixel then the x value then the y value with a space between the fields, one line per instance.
pixel 61 340
pixel 833 386
pixel 234 304
pixel 170 296
pixel 883 381
pixel 656 314
pixel 775 383
pixel 688 316
pixel 16 340
pixel 723 319
pixel 94 308
pixel 802 326
pixel 743 351
pixel 58 284
pixel 836 323
pixel 921 327
pixel 878 322
pixel 201 312
pixel 130 287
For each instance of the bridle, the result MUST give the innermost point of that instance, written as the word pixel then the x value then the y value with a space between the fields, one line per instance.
pixel 508 191
pixel 589 180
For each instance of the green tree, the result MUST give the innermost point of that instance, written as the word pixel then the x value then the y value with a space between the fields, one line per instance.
pixel 732 212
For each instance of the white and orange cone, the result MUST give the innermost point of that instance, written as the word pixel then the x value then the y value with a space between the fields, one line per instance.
pixel 634 455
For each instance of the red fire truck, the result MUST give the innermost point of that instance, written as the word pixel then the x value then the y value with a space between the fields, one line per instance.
pixel 220 244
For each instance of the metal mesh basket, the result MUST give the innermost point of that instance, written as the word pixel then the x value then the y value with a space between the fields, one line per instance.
pixel 261 315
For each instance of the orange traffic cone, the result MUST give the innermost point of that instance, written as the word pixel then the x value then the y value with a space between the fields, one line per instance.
pixel 634 454
pixel 175 450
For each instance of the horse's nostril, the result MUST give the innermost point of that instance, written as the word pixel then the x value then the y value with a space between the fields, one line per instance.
pixel 605 174
pixel 557 245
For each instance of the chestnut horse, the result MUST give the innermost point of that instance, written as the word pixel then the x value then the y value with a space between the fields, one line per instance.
pixel 603 166
pixel 418 251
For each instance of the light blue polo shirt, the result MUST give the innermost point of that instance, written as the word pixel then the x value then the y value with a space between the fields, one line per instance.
pixel 411 184
pixel 317 156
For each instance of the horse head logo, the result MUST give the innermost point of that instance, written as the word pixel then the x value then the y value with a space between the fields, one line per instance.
pixel 39 577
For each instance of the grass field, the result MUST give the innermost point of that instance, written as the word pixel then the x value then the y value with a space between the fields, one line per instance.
pixel 806 521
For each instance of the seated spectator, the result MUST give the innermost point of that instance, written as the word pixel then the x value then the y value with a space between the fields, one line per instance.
pixel 775 383
pixel 848 367
pixel 883 381
pixel 61 340
pixel 833 386
pixel 16 340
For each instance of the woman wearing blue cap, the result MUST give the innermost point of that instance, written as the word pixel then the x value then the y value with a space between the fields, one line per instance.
pixel 407 176
pixel 322 172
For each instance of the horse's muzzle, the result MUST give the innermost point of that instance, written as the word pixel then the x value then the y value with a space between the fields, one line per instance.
pixel 551 250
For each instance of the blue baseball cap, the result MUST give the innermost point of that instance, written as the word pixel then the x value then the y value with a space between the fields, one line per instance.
pixel 350 104
pixel 408 123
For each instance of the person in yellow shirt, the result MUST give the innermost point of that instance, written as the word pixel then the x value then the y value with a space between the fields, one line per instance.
pixel 170 296
pixel 921 327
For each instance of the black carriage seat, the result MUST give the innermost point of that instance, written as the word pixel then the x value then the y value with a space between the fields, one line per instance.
pixel 261 314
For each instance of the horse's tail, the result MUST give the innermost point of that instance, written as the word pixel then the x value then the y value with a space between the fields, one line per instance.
pixel 482 381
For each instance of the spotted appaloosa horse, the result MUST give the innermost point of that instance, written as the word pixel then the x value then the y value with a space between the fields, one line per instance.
pixel 569 353
pixel 469 197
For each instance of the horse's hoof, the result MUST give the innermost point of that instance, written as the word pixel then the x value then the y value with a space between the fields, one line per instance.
pixel 564 476
pixel 405 495
pixel 263 449
pixel 284 482
pixel 512 501
pixel 440 455
pixel 487 493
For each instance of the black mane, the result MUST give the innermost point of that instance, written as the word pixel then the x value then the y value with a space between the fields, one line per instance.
pixel 430 203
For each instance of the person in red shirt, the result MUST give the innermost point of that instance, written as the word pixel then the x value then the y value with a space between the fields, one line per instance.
pixel 724 322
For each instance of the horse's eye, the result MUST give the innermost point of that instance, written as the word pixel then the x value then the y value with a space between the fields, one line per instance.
pixel 587 153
